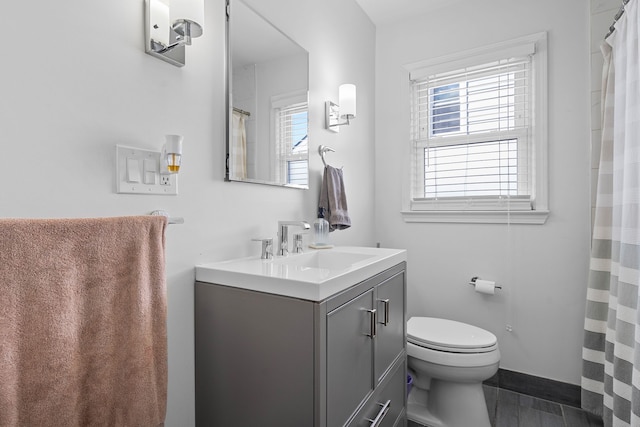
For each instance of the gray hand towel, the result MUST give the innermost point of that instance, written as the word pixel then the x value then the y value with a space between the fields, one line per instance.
pixel 334 199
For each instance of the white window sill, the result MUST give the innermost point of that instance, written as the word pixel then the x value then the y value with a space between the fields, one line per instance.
pixel 478 217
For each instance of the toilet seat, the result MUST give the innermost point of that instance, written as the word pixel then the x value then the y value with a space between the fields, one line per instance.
pixel 449 336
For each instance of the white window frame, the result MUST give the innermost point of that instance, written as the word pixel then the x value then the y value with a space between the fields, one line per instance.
pixel 280 155
pixel 494 210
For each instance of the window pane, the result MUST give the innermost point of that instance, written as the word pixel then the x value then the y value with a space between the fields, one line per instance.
pixel 490 103
pixel 483 100
pixel 299 133
pixel 445 109
pixel 478 169
pixel 298 172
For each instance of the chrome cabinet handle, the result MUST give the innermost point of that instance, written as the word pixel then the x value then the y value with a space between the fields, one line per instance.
pixel 385 322
pixel 374 321
pixel 383 411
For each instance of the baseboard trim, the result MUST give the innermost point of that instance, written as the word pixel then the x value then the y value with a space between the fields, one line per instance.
pixel 542 388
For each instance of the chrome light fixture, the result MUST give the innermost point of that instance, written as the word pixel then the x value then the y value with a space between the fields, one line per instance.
pixel 170 27
pixel 345 110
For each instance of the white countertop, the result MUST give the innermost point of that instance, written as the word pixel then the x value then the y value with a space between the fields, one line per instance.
pixel 314 275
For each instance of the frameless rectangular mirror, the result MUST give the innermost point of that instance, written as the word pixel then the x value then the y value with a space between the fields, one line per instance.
pixel 267 102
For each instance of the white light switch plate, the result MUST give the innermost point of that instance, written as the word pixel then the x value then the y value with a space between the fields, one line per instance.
pixel 162 184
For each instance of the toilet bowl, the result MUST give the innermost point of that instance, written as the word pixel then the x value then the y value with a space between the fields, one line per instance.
pixel 449 360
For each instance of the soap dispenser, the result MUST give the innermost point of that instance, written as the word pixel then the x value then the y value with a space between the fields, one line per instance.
pixel 321 231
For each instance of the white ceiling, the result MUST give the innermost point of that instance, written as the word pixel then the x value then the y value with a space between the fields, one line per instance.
pixel 387 11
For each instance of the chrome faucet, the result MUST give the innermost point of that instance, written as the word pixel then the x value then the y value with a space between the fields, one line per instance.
pixel 283 234
pixel 267 248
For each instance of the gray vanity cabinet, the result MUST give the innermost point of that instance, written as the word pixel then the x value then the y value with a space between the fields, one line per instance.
pixel 264 359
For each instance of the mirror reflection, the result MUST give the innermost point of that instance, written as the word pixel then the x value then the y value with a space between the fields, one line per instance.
pixel 267 140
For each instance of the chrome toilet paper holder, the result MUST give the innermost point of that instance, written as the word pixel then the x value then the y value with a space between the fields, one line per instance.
pixel 472 282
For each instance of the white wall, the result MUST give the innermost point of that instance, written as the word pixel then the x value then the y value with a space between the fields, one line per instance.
pixel 75 82
pixel 543 268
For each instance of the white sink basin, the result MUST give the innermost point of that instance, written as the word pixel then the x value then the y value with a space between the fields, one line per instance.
pixel 314 275
pixel 327 259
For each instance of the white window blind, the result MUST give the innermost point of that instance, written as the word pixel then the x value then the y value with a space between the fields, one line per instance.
pixel 471 133
pixel 292 143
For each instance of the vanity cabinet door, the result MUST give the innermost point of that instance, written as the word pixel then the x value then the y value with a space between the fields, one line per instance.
pixel 349 357
pixel 390 339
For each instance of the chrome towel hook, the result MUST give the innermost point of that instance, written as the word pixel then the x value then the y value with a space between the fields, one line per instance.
pixel 322 149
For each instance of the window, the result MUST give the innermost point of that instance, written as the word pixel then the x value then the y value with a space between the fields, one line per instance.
pixel 478 142
pixel 293 143
pixel 292 147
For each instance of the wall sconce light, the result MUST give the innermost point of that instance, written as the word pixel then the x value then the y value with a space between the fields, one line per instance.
pixel 345 110
pixel 169 28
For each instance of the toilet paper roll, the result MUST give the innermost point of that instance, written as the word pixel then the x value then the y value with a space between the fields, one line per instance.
pixel 485 286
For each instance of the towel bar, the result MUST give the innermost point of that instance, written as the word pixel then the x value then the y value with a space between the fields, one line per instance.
pixel 170 220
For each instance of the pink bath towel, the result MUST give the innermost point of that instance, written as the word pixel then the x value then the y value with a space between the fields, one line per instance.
pixel 83 322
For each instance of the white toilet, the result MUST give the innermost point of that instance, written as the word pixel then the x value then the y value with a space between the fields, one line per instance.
pixel 448 361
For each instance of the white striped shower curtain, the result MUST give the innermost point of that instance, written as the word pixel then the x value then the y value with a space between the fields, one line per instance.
pixel 238 146
pixel 611 352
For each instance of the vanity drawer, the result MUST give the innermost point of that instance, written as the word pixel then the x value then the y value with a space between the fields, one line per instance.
pixel 387 405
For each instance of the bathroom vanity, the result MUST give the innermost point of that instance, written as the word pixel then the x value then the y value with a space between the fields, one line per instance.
pixel 316 339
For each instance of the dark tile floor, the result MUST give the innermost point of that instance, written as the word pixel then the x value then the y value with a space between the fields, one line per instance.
pixel 510 409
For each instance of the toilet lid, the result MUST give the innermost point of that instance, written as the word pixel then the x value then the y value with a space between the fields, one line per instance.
pixel 449 335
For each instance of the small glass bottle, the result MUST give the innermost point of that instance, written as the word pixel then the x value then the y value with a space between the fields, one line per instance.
pixel 321 229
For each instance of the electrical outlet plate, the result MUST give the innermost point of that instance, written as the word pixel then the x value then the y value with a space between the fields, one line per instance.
pixel 157 183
